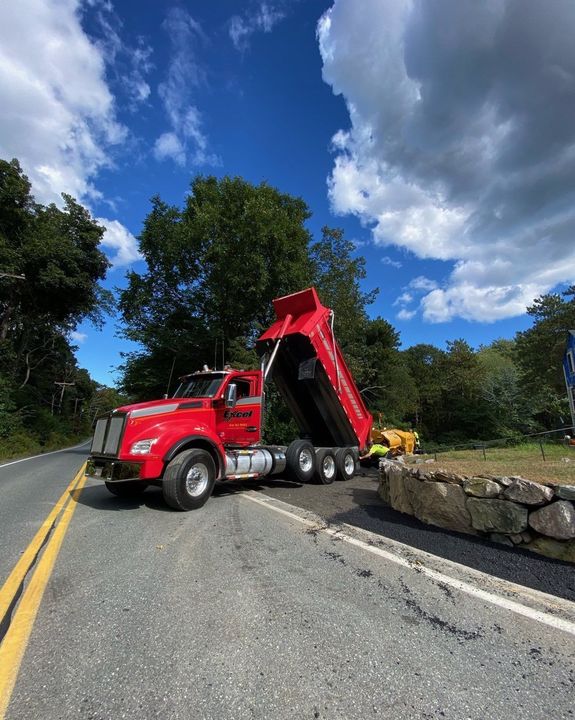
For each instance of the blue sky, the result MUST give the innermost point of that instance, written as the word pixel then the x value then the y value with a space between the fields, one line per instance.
pixel 438 135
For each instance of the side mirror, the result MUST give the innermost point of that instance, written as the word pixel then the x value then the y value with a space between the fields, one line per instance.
pixel 231 395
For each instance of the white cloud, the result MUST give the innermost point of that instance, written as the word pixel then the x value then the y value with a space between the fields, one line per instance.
pixel 461 145
pixel 57 115
pixel 403 214
pixel 386 260
pixel 263 19
pixel 422 283
pixel 169 145
pixel 128 63
pixel 78 337
pixel 239 32
pixel 472 303
pixel 404 314
pixel 434 309
pixel 120 240
pixel 403 299
pixel 134 81
pixel 186 140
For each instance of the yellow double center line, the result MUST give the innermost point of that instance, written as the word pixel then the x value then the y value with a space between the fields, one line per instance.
pixel 18 633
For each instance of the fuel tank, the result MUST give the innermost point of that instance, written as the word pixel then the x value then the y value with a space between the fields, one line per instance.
pixel 254 462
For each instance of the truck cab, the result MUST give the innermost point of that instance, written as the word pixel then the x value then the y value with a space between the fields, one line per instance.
pixel 235 401
pixel 217 408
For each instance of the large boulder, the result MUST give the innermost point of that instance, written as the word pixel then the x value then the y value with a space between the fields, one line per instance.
pixel 481 487
pixel 447 477
pixel 527 492
pixel 403 488
pixel 383 490
pixel 553 548
pixel 442 504
pixel 565 492
pixel 499 516
pixel 556 520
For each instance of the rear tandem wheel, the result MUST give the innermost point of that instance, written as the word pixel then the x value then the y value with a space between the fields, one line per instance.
pixel 326 467
pixel 345 460
pixel 300 461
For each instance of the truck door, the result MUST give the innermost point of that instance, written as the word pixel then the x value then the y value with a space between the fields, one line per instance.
pixel 241 425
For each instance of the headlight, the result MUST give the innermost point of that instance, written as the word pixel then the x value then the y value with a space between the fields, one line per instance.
pixel 142 447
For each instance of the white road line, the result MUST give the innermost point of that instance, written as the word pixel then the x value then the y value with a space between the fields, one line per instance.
pixel 33 457
pixel 511 605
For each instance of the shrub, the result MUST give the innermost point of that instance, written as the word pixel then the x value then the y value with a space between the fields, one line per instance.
pixel 19 444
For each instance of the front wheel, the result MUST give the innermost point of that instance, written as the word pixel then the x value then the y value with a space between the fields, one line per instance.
pixel 127 489
pixel 189 479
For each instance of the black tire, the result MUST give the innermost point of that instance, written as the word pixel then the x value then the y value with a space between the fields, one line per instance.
pixel 300 461
pixel 326 468
pixel 345 461
pixel 189 479
pixel 127 489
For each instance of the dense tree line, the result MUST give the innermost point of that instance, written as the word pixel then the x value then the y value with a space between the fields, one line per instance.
pixel 213 268
pixel 50 268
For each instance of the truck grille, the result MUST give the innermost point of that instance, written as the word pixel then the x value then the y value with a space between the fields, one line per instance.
pixel 107 435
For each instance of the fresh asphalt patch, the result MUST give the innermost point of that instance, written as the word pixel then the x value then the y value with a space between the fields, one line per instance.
pixel 357 503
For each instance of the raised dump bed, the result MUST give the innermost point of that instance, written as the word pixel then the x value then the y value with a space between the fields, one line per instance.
pixel 311 374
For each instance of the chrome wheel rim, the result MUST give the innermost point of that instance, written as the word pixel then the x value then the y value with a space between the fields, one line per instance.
pixel 197 479
pixel 305 460
pixel 349 464
pixel 328 466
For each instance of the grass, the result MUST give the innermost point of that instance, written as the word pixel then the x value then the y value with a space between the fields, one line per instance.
pixel 525 460
pixel 22 445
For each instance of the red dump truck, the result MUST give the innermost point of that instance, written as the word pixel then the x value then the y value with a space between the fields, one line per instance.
pixel 211 428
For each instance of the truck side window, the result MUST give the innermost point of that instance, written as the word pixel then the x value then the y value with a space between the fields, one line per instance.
pixel 244 389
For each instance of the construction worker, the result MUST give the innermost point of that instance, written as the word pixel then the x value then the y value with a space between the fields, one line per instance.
pixel 375 453
pixel 416 436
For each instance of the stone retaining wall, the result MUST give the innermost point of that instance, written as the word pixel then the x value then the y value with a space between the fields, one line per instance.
pixel 508 510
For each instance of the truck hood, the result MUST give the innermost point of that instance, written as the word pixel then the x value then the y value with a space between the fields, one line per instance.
pixel 155 407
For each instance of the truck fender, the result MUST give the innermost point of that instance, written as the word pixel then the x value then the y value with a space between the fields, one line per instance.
pixel 200 441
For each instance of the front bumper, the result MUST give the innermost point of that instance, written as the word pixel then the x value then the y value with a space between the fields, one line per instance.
pixel 112 470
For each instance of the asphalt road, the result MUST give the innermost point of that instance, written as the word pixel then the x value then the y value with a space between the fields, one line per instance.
pixel 28 491
pixel 357 503
pixel 243 610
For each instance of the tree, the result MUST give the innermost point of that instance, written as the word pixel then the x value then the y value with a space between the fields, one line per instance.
pixel 213 269
pixel 450 406
pixel 337 276
pixel 50 268
pixel 540 348
pixel 57 253
pixel 424 363
pixel 509 409
pixel 56 250
pixel 370 346
pixel 540 353
pixel 387 385
pixel 464 412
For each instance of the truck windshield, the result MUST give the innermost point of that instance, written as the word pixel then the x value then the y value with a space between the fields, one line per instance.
pixel 200 386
